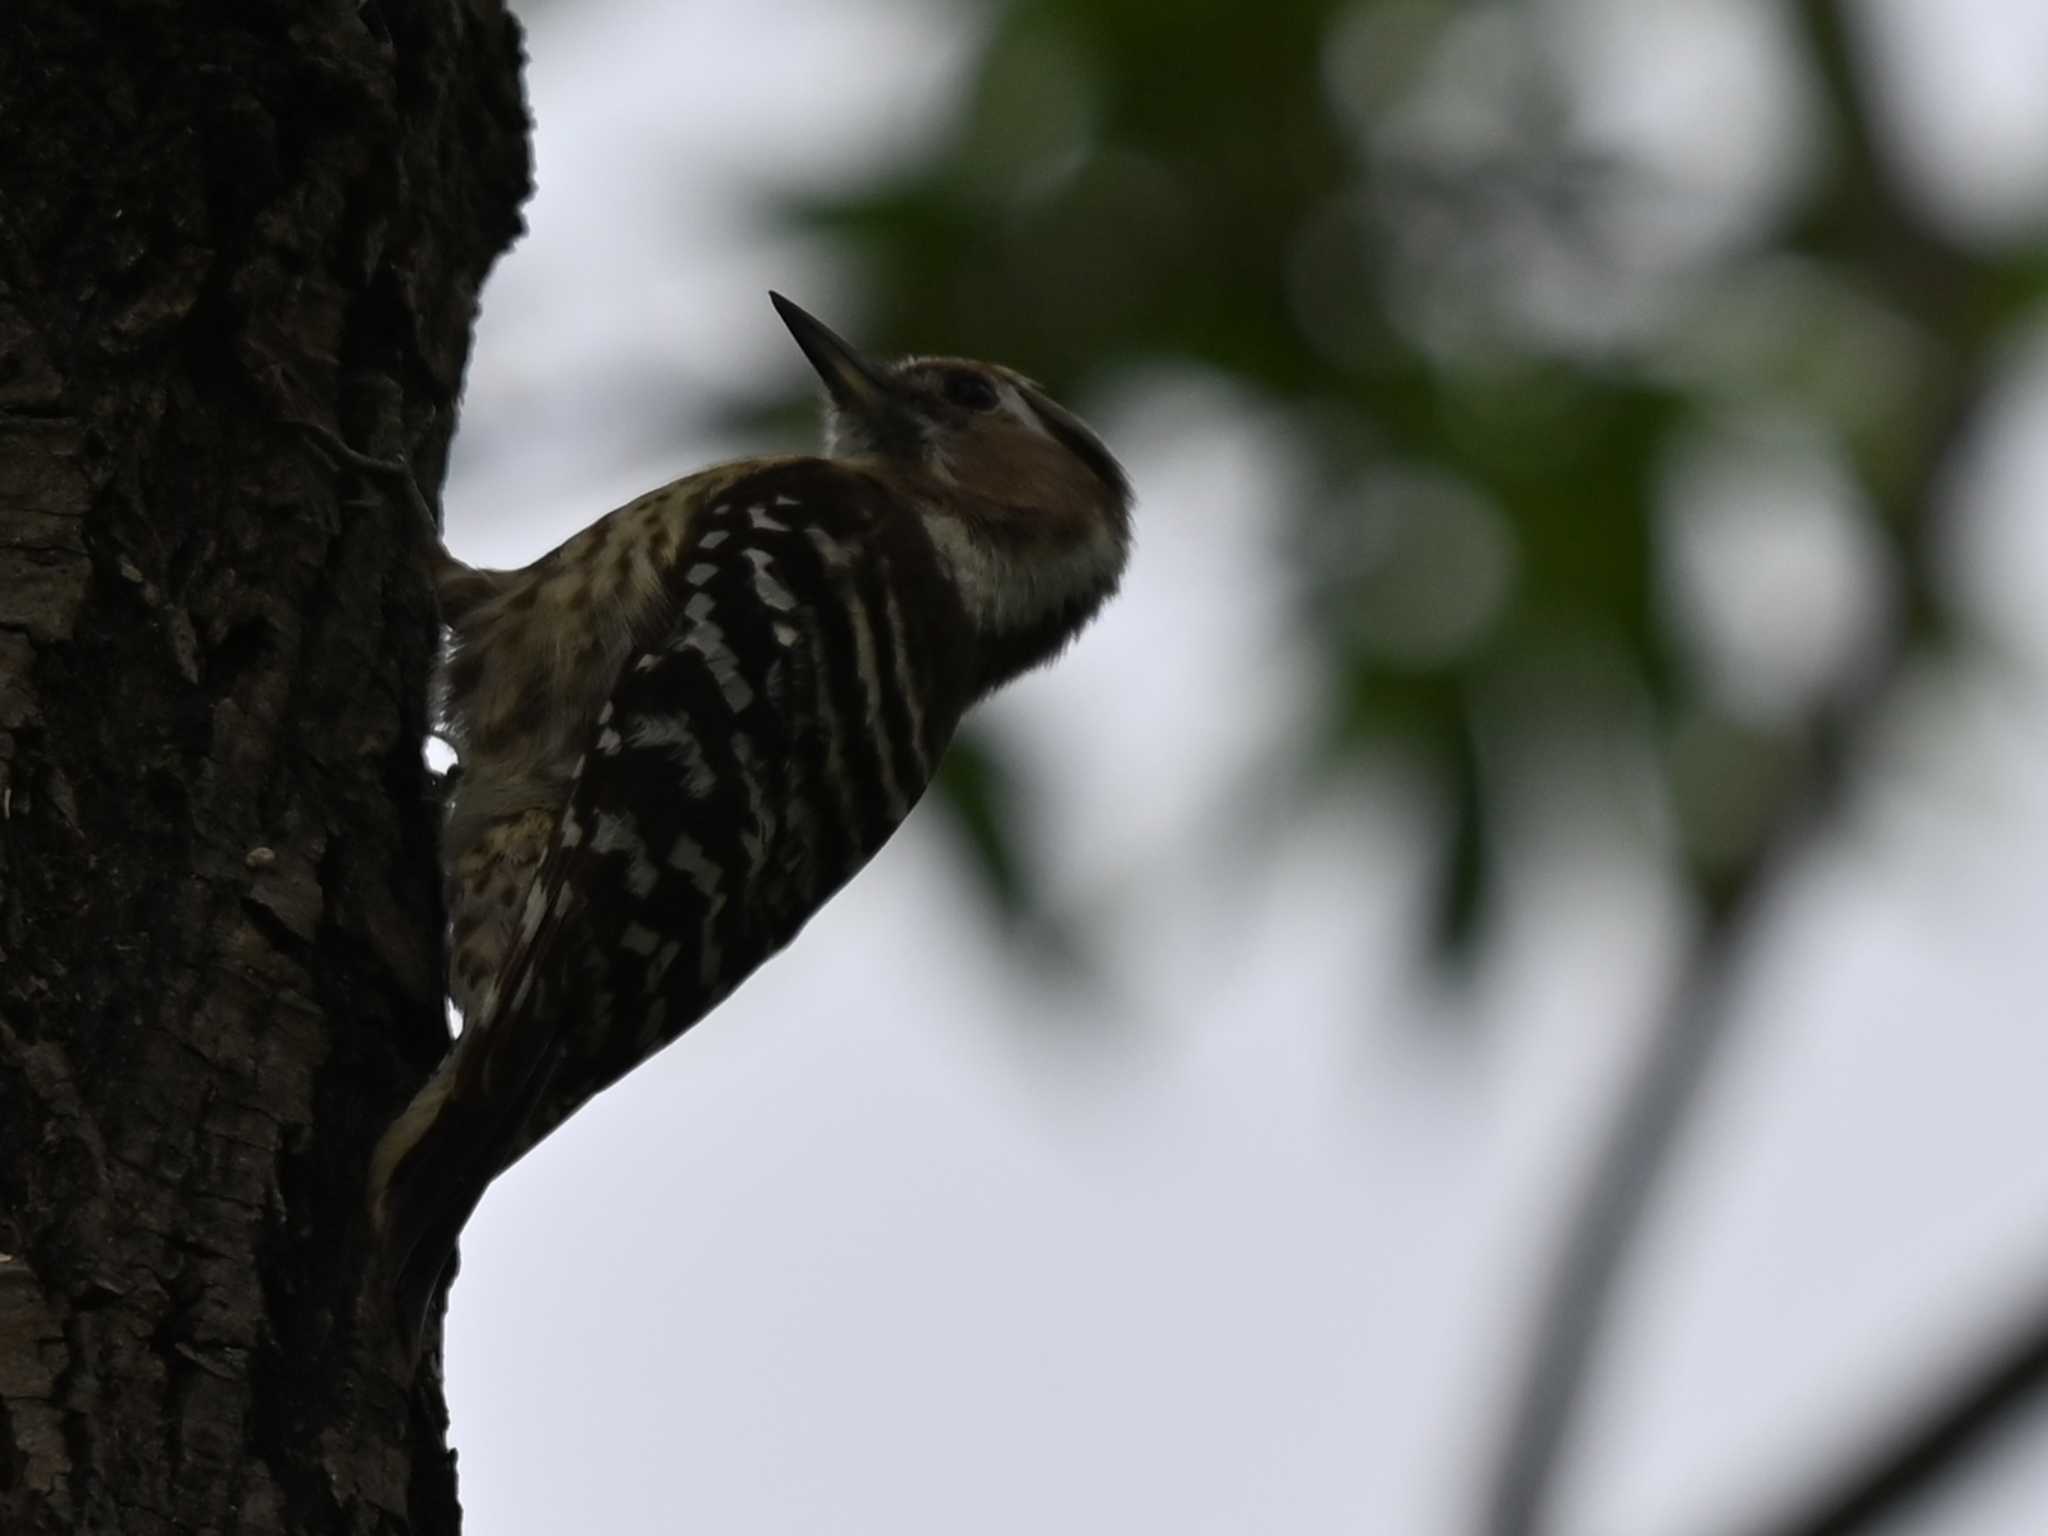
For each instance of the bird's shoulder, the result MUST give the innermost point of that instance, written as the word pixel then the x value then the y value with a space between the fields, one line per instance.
pixel 793 494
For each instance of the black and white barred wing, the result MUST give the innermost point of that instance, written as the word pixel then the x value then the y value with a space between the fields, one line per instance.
pixel 741 772
pixel 766 752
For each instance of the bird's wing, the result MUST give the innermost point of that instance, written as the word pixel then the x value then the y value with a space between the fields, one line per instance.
pixel 739 773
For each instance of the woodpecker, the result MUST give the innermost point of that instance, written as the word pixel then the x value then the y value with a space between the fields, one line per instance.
pixel 682 731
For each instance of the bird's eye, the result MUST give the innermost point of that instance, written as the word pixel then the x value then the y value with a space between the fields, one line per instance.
pixel 970 391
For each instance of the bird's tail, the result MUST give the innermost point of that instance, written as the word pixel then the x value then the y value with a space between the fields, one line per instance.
pixel 431 1167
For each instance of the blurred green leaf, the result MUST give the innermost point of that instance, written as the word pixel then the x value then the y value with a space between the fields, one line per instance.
pixel 1375 218
pixel 973 786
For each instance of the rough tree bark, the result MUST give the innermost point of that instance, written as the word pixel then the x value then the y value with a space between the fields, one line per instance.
pixel 219 953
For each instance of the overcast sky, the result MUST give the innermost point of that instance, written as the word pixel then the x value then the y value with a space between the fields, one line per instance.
pixel 1238 1232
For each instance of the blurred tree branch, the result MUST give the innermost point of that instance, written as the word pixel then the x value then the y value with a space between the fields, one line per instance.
pixel 1932 1447
pixel 1865 222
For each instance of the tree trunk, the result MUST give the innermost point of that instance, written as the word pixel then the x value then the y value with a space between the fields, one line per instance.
pixel 220 959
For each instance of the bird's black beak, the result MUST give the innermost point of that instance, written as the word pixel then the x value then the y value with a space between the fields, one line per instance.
pixel 855 384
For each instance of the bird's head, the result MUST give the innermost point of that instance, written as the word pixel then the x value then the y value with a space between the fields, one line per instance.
pixel 1028 510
